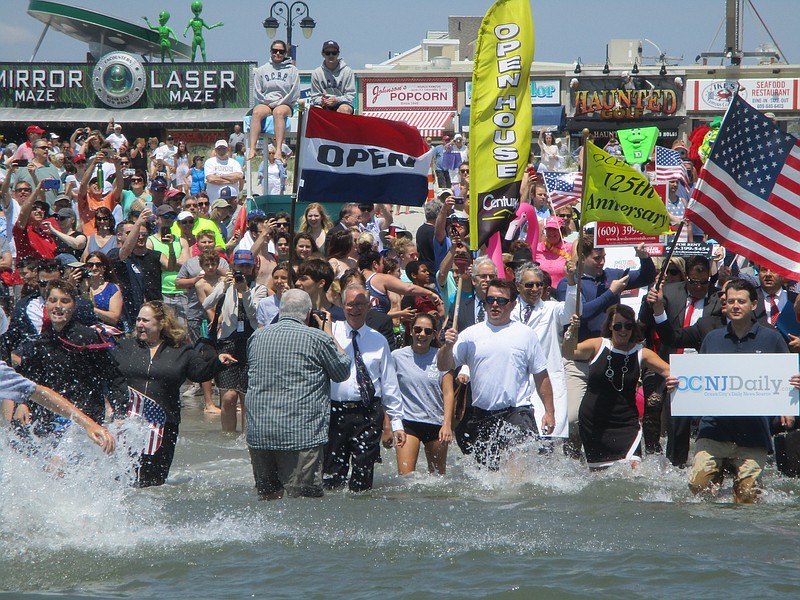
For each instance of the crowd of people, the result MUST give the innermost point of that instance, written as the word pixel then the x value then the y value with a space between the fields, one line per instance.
pixel 126 271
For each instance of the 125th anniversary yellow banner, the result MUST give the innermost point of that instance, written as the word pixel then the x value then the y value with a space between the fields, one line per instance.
pixel 614 191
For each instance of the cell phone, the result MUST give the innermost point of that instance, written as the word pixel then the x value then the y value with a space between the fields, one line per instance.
pixel 165 231
pixel 625 273
pixel 21 162
pixel 128 172
pixel 51 184
pixel 458 200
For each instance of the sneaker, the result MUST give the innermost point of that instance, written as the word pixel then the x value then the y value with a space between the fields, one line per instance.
pixel 193 390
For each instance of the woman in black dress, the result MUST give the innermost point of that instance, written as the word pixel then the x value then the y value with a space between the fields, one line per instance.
pixel 608 419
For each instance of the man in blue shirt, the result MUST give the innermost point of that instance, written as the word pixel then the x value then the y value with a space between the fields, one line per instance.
pixel 442 174
pixel 741 443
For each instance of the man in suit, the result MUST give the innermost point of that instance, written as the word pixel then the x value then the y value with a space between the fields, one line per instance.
pixel 473 310
pixel 772 297
pixel 685 303
pixel 349 216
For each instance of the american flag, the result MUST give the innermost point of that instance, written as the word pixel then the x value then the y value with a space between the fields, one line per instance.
pixel 146 408
pixel 748 193
pixel 669 166
pixel 563 188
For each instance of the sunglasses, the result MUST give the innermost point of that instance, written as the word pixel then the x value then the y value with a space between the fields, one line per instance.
pixel 464 172
pixel 124 163
pixel 102 218
pixel 94 265
pixel 697 281
pixel 277 51
pixel 60 218
pixel 136 179
pixel 39 208
pixel 425 330
pixel 497 300
pixel 621 326
pixel 187 222
pixel 202 204
pixel 43 283
pixel 281 224
pixel 532 284
pixel 673 272
pixel 331 54
pixel 25 190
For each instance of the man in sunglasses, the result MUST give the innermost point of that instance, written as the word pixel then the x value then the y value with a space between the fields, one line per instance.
pixel 504 356
pixel 31 238
pixel 685 302
pixel 41 167
pixel 333 85
pixel 277 88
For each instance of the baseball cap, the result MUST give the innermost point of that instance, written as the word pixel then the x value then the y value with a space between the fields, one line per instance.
pixel 330 45
pixel 62 198
pixel 553 222
pixel 220 143
pixel 445 138
pixel 34 129
pixel 78 158
pixel 256 212
pixel 158 183
pixel 66 212
pixel 173 193
pixel 225 193
pixel 243 257
pixel 165 210
pixel 220 203
pixel 521 256
pixel 445 193
pixel 185 214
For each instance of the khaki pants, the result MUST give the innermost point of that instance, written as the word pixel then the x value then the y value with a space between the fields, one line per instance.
pixel 711 457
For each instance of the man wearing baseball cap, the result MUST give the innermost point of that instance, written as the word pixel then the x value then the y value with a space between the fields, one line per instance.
pixel 222 171
pixel 174 252
pixel 25 151
pixel 333 85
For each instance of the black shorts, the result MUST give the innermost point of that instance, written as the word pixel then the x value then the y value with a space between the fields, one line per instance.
pixel 425 432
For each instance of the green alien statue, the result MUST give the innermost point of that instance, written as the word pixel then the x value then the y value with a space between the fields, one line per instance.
pixel 164 33
pixel 197 24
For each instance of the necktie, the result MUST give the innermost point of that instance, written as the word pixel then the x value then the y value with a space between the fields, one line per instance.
pixel 526 313
pixel 773 309
pixel 365 386
pixel 687 318
pixel 481 312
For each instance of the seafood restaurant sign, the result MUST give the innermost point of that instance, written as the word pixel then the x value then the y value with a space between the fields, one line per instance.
pixel 762 94
pixel 121 80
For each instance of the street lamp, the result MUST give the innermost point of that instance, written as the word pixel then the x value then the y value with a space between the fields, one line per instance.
pixel 289 15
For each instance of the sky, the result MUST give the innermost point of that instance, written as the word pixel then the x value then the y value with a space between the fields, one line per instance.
pixel 369 31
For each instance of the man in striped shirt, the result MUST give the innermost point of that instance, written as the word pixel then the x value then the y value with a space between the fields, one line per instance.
pixel 291 366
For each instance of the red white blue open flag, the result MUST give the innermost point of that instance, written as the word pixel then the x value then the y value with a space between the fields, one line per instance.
pixel 349 158
pixel 155 417
pixel 748 193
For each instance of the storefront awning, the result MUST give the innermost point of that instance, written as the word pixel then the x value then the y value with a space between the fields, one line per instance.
pixel 545 118
pixel 431 123
pixel 101 115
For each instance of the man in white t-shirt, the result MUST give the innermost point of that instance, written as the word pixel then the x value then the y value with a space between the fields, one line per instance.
pixel 503 356
pixel 222 171
pixel 167 152
pixel 116 138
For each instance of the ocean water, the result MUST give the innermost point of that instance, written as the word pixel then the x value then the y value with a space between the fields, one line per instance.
pixel 542 527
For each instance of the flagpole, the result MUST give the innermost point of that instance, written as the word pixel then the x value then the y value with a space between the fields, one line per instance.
pixel 579 251
pixel 301 109
pixel 664 266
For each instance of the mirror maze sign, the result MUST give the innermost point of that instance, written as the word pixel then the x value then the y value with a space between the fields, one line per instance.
pixel 121 80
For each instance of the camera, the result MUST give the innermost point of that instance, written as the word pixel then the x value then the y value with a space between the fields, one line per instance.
pixel 312 322
pixel 238 276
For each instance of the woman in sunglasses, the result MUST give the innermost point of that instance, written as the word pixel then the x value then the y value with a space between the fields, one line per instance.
pixel 68 239
pixel 608 418
pixel 428 400
pixel 277 88
pixel 104 240
pixel 104 289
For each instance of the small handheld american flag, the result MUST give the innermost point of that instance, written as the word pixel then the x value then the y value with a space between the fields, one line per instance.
pixel 563 188
pixel 669 166
pixel 146 408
